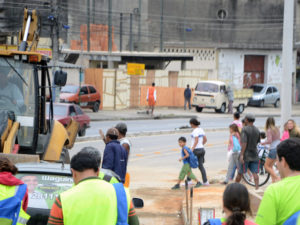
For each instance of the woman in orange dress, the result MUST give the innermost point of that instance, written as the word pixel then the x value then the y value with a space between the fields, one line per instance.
pixel 151 98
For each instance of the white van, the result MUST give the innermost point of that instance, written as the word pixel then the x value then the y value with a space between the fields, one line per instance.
pixel 213 95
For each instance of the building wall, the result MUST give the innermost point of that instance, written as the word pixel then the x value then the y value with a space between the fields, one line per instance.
pixel 231 66
pixel 120 91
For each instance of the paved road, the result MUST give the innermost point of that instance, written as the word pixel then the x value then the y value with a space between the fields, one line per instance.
pixel 154 159
pixel 136 126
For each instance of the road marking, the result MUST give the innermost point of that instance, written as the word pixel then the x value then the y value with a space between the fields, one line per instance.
pixel 167 152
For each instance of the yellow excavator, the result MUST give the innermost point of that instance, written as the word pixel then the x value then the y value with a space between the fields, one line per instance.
pixel 26 134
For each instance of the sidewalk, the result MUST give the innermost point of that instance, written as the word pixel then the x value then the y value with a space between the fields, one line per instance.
pixel 170 113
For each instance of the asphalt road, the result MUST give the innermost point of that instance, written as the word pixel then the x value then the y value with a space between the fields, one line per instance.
pixel 136 126
pixel 154 161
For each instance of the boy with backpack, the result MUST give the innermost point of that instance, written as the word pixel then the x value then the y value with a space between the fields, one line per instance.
pixel 189 161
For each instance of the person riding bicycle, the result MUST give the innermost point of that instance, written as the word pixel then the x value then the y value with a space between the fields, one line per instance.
pixel 262 151
pixel 248 157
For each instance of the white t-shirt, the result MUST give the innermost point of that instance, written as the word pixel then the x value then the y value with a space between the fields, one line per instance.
pixel 198 132
pixel 125 141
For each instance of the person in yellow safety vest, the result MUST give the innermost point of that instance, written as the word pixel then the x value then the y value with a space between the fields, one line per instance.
pixel 13 195
pixel 91 201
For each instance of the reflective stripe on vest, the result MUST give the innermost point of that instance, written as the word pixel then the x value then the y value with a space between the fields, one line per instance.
pixel 108 178
pixel 8 192
pixel 92 201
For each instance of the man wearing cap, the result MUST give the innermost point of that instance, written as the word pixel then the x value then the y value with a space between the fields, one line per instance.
pixel 115 156
pixel 248 157
pixel 122 128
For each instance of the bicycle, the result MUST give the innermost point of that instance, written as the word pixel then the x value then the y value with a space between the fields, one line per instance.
pixel 263 175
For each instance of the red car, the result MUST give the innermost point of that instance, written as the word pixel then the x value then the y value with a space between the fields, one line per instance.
pixel 64 112
pixel 86 96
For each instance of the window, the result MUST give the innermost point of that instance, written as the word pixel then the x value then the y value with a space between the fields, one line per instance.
pixel 269 91
pixel 72 111
pixel 92 89
pixel 207 87
pixel 257 89
pixel 222 89
pixel 274 89
pixel 69 89
pixel 78 110
pixel 84 91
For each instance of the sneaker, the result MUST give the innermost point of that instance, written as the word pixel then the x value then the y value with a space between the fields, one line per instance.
pixel 176 186
pixel 206 183
pixel 224 182
pixel 198 185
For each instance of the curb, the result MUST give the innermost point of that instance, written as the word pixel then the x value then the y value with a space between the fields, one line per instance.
pixel 151 133
pixel 138 134
pixel 142 118
pixel 170 117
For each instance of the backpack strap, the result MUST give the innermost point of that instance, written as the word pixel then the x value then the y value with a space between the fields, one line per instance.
pixel 292 220
pixel 121 203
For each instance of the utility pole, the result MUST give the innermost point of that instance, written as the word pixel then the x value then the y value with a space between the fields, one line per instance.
pixel 121 31
pixel 88 8
pixel 140 21
pixel 94 10
pixel 287 57
pixel 130 33
pixel 109 26
pixel 184 18
pixel 109 61
pixel 161 24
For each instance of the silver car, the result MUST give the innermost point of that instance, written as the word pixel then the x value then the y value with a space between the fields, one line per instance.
pixel 264 94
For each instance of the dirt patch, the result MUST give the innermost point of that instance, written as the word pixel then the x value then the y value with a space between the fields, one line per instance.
pixel 162 206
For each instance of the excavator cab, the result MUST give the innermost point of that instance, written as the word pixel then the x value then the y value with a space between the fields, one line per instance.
pixel 24 80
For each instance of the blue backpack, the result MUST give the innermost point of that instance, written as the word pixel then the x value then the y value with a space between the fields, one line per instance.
pixel 193 160
pixel 10 207
pixel 122 204
pixel 236 144
pixel 292 220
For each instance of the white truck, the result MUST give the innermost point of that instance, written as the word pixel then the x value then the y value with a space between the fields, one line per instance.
pixel 213 95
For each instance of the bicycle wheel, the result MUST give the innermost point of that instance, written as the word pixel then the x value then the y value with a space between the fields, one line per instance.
pixel 263 175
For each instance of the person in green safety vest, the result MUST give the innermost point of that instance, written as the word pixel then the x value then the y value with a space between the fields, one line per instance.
pixel 13 195
pixel 92 200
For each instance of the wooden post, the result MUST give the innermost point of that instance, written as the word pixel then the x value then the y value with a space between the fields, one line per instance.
pixel 191 208
pixel 187 199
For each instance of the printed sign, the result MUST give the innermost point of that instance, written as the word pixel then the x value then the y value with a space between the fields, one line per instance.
pixel 204 214
pixel 135 69
pixel 43 189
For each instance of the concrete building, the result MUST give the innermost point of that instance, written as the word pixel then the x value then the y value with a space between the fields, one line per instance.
pixel 238 41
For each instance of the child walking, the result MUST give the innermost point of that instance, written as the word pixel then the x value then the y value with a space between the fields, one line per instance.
pixel 186 168
pixel 235 148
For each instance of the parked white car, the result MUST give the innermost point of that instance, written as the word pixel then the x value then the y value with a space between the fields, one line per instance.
pixel 213 95
pixel 264 94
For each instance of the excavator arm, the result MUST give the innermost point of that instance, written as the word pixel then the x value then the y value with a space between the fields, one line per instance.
pixel 29 37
